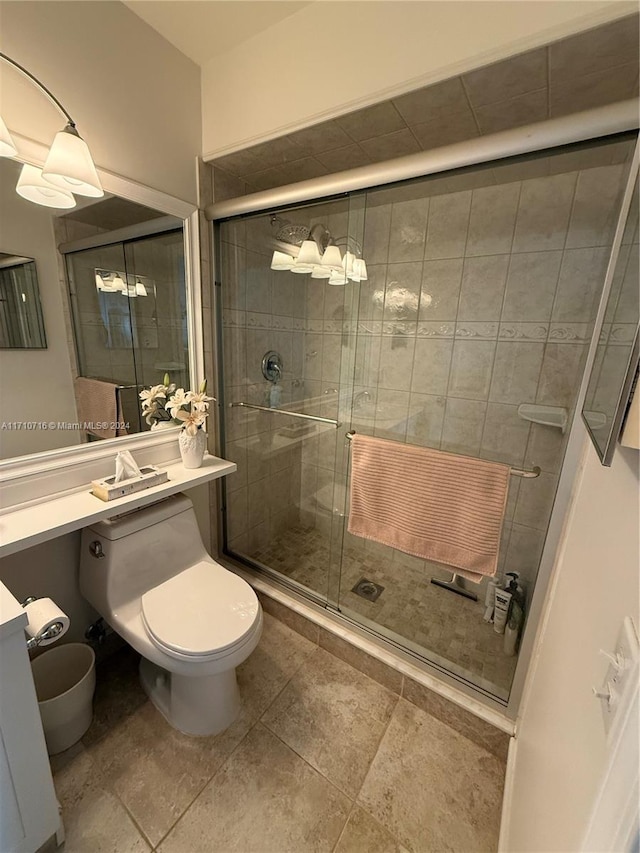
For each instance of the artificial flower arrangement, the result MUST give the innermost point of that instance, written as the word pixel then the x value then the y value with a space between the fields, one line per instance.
pixel 165 403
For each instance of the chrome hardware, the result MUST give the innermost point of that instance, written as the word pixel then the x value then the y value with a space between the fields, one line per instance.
pixel 272 366
pixel 516 472
pixel 28 600
pixel 286 412
pixel 95 549
pixel 51 633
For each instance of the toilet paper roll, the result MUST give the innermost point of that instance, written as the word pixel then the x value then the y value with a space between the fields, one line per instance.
pixel 42 614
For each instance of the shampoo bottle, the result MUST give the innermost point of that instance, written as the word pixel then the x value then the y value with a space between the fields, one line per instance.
pixel 501 614
pixel 490 599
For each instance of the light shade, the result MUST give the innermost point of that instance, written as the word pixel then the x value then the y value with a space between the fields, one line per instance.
pixel 308 255
pixel 7 145
pixel 332 258
pixel 321 272
pixel 69 165
pixel 338 278
pixel 359 271
pixel 281 261
pixel 32 186
pixel 141 290
pixel 117 283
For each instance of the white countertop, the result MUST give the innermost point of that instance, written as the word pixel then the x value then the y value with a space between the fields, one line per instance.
pixel 30 524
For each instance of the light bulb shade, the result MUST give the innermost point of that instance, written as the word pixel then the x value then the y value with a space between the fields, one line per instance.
pixel 7 145
pixel 69 165
pixel 32 186
pixel 332 258
pixel 117 283
pixel 301 268
pixel 282 261
pixel 347 262
pixel 321 272
pixel 359 270
pixel 140 289
pixel 308 255
pixel 338 278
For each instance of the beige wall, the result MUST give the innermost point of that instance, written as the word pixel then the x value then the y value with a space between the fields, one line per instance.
pixel 135 98
pixel 561 750
pixel 36 383
pixel 331 58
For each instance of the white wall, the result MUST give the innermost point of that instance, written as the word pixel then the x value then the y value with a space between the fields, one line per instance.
pixel 331 58
pixel 36 383
pixel 561 749
pixel 134 97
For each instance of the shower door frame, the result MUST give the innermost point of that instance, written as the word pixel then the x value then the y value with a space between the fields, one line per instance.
pixel 590 125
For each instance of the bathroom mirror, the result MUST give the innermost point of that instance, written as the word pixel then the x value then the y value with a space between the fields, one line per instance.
pixel 21 321
pixel 615 365
pixel 37 385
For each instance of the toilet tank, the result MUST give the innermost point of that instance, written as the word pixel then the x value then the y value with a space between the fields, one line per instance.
pixel 138 551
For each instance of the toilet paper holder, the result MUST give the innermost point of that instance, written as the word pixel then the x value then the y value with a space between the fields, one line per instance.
pixel 51 632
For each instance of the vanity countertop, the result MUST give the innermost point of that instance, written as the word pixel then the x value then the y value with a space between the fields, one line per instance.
pixel 30 524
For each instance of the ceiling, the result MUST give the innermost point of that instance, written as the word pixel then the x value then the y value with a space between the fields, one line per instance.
pixel 204 29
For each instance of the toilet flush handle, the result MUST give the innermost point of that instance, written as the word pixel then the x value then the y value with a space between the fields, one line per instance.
pixel 96 549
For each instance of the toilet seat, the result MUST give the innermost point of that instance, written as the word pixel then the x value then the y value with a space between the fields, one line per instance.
pixel 203 612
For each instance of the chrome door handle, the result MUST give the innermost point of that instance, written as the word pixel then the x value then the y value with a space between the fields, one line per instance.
pixel 95 549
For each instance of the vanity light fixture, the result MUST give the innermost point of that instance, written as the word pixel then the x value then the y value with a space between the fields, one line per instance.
pixel 69 168
pixel 303 256
pixel 112 281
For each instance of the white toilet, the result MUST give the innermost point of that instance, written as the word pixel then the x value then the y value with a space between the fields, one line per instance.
pixel 148 575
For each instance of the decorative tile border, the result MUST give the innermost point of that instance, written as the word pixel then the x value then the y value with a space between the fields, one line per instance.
pixel 477 331
pixel 570 333
pixel 523 332
pixel 622 334
pixel 436 330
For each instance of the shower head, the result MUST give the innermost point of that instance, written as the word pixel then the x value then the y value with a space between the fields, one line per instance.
pixel 289 232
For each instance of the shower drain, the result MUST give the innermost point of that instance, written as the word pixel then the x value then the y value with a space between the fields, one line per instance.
pixel 368 589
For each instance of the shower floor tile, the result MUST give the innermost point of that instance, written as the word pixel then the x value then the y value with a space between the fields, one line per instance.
pixel 321 759
pixel 434 620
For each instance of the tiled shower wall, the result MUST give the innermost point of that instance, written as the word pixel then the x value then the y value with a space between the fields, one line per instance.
pixel 491 294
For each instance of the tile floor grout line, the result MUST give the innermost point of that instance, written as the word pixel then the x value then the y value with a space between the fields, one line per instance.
pixel 335 846
pixel 206 784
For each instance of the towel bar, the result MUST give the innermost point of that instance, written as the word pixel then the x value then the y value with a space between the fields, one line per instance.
pixel 515 472
pixel 334 423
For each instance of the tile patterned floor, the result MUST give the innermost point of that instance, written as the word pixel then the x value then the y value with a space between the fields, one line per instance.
pixel 433 619
pixel 321 759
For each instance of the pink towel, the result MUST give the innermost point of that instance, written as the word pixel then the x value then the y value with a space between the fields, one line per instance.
pixel 97 403
pixel 434 505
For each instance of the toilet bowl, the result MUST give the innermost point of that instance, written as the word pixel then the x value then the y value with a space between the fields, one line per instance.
pixel 147 573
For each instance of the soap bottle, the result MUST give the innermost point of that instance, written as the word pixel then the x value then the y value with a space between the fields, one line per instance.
pixel 516 615
pixel 490 599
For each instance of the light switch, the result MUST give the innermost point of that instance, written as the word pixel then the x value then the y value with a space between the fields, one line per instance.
pixel 621 675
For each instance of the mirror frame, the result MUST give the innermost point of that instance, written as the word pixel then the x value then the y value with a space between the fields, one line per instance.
pixel 605 447
pixel 29 469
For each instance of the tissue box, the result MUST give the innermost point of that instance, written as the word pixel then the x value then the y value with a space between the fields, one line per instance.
pixel 108 490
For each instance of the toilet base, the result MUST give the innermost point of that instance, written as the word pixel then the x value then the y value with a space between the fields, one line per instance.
pixel 197 705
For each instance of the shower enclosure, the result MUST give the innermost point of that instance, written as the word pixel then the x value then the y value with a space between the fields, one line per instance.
pixel 465 330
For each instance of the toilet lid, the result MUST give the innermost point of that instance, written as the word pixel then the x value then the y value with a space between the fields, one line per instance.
pixel 203 610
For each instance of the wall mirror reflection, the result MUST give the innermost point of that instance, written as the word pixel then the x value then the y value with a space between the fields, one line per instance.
pixel 616 361
pixel 113 294
pixel 21 322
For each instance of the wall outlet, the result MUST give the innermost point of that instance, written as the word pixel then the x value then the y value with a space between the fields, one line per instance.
pixel 622 673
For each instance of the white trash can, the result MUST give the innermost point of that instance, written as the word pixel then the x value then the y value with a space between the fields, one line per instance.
pixel 65 679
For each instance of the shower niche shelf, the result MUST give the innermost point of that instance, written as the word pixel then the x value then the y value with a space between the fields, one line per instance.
pixel 554 416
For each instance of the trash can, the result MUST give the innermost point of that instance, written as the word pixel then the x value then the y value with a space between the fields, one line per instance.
pixel 65 680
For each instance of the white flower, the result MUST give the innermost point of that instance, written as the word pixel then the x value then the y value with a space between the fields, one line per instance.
pixel 192 420
pixel 150 395
pixel 200 401
pixel 180 398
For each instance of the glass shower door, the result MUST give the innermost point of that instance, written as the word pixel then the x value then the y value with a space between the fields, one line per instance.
pixel 288 344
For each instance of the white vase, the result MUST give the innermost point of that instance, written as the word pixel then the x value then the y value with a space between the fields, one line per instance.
pixel 192 448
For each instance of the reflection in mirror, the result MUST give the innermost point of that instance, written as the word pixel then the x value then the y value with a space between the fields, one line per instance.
pixel 616 360
pixel 112 238
pixel 21 323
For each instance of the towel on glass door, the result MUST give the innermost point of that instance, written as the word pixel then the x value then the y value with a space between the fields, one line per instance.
pixel 437 506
